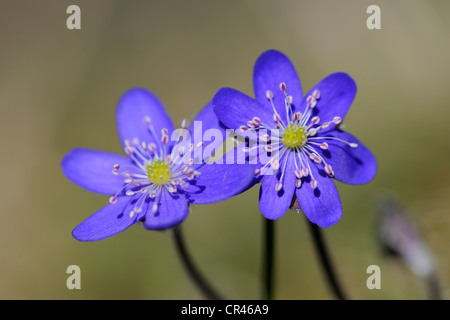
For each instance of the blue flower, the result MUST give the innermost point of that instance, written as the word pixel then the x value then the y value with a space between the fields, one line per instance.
pixel 158 178
pixel 302 137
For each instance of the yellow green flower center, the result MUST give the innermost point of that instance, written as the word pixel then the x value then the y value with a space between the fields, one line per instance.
pixel 158 172
pixel 294 136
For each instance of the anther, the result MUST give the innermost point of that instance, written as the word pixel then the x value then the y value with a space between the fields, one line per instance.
pixel 274 163
pixel 315 120
pixel 305 172
pixel 309 99
pixel 324 146
pixel 113 200
pixel 278 186
pixel 298 183
pixel 243 128
pixel 152 147
pixel 283 86
pixel 316 94
pixel 329 170
pixel 314 183
pixel 276 118
pixel 251 124
pixel 337 120
pixel 256 121
pixel 289 99
pixel 269 95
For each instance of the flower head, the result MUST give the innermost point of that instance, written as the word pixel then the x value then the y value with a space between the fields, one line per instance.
pixel 159 176
pixel 302 137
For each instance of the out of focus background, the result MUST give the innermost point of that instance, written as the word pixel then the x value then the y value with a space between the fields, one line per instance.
pixel 59 89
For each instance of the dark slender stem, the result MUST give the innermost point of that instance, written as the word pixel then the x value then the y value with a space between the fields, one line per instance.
pixel 268 260
pixel 325 260
pixel 196 276
pixel 435 290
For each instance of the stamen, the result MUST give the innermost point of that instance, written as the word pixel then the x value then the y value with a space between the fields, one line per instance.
pixel 251 124
pixel 256 121
pixel 315 120
pixel 337 120
pixel 274 163
pixel 243 128
pixel 289 99
pixel 324 146
pixel 316 94
pixel 278 186
pixel 276 118
pixel 329 170
pixel 297 116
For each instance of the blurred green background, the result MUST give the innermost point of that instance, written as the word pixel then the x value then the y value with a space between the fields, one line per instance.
pixel 59 89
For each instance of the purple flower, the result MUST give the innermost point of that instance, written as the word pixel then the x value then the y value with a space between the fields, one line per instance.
pixel 302 137
pixel 158 178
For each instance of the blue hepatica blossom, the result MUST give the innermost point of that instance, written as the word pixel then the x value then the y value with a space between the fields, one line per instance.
pixel 301 135
pixel 158 178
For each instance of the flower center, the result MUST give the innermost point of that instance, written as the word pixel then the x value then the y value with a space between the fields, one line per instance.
pixel 158 172
pixel 294 136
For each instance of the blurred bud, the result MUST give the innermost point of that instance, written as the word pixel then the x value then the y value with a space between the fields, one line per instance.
pixel 400 237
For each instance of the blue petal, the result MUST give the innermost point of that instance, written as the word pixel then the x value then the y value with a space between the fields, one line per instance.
pixel 274 204
pixel 108 221
pixel 337 92
pixel 171 210
pixel 225 177
pixel 92 170
pixel 218 182
pixel 133 107
pixel 322 205
pixel 235 109
pixel 207 129
pixel 271 69
pixel 350 165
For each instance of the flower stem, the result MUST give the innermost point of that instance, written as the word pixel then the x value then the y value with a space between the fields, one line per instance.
pixel 268 260
pixel 195 275
pixel 325 260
